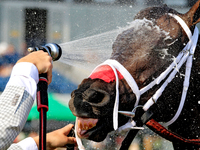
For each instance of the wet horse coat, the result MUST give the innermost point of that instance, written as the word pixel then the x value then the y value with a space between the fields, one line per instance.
pixel 145 50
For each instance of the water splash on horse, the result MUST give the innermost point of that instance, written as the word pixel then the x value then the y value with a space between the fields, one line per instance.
pixel 155 41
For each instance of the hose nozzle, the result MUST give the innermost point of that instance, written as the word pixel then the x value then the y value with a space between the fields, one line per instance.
pixel 54 50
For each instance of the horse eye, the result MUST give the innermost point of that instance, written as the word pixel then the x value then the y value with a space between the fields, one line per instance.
pixel 95 97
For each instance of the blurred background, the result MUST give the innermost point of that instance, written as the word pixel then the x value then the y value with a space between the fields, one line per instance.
pixel 28 23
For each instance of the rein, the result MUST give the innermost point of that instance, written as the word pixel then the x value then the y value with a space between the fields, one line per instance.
pixel 186 55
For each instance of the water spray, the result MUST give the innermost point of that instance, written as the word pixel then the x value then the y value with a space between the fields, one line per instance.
pixel 55 52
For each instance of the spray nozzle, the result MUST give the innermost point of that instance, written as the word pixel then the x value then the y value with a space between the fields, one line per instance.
pixel 53 49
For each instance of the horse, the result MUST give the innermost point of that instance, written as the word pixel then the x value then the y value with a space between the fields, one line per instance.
pixel 107 100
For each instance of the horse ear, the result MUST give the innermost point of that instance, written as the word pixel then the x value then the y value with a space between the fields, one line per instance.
pixel 193 15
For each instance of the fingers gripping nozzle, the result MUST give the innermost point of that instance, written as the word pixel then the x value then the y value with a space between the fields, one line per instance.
pixel 54 50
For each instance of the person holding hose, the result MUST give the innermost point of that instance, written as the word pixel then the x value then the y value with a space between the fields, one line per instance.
pixel 16 102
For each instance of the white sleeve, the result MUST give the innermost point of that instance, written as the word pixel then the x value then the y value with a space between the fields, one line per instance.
pixel 26 75
pixel 28 144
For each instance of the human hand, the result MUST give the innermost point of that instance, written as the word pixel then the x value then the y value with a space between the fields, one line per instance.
pixel 42 61
pixel 58 138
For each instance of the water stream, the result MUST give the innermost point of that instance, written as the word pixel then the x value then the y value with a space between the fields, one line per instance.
pixel 90 51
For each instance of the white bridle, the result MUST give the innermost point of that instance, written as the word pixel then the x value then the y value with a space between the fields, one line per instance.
pixel 186 55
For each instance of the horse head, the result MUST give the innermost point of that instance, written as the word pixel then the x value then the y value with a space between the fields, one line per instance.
pixel 145 49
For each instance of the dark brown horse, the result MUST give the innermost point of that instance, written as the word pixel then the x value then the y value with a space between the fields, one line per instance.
pixel 145 50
